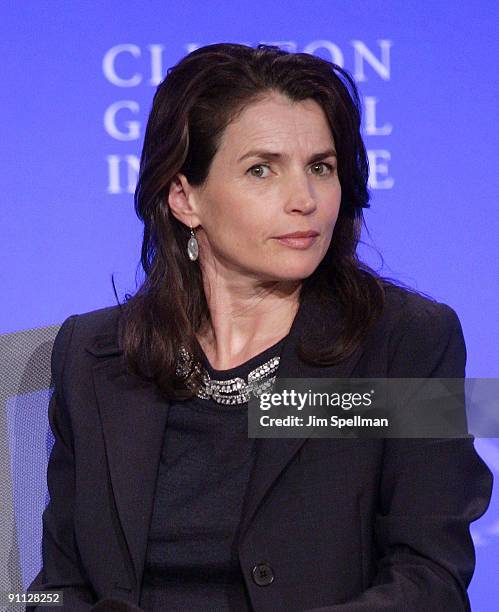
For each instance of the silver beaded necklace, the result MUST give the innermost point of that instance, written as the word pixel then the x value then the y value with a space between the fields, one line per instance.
pixel 231 391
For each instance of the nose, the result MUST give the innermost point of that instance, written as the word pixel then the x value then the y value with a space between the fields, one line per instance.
pixel 301 196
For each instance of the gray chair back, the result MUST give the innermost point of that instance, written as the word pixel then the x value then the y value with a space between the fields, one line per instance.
pixel 25 444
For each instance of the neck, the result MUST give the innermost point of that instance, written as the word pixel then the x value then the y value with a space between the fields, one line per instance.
pixel 245 320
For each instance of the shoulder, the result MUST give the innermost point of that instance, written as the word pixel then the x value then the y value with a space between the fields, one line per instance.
pixel 86 326
pixel 408 308
pixel 95 332
pixel 422 332
pixel 95 322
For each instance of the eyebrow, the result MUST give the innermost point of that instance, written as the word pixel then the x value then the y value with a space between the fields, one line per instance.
pixel 271 155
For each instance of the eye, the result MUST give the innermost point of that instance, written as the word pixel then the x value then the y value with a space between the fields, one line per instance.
pixel 327 169
pixel 260 168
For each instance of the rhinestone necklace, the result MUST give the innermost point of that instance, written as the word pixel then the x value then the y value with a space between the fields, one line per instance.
pixel 231 391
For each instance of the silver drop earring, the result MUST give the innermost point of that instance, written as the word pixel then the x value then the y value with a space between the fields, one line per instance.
pixel 193 247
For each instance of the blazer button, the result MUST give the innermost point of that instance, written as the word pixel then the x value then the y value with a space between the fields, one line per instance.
pixel 262 574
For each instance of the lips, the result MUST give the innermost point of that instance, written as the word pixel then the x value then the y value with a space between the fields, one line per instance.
pixel 298 240
pixel 307 234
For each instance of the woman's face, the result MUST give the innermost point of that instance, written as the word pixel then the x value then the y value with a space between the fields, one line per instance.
pixel 275 173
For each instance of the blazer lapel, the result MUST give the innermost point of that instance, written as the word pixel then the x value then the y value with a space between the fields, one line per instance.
pixel 133 419
pixel 273 454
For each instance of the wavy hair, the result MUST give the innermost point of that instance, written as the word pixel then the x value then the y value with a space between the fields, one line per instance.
pixel 193 105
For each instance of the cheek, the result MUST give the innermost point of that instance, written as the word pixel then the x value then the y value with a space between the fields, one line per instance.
pixel 330 210
pixel 244 216
pixel 333 217
pixel 236 225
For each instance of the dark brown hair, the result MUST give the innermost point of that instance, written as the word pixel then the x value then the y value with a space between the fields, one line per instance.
pixel 192 107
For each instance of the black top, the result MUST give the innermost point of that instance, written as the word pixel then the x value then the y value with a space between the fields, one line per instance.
pixel 192 560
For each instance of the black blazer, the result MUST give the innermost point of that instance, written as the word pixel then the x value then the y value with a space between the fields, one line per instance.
pixel 345 525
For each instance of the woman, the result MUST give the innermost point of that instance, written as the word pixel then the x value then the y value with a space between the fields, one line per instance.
pixel 252 183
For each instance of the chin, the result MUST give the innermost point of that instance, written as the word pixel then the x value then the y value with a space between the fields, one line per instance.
pixel 295 271
pixel 301 266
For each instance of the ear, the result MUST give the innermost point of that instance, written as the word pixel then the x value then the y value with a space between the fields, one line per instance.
pixel 182 201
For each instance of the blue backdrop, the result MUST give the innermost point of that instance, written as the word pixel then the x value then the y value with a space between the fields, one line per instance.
pixel 78 81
